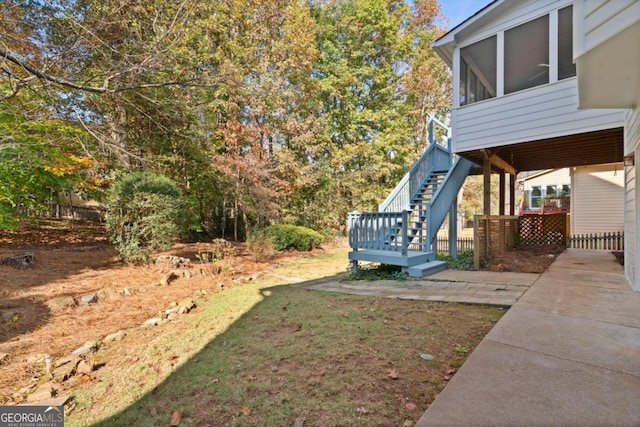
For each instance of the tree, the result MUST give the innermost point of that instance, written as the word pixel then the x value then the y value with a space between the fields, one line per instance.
pixel 261 110
pixel 142 215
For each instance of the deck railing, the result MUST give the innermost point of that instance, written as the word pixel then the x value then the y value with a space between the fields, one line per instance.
pixel 383 231
pixel 436 157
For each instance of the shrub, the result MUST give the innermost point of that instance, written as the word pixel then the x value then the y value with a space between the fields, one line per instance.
pixel 260 248
pixel 283 237
pixel 142 213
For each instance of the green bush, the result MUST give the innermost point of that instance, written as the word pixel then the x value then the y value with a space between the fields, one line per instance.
pixel 142 214
pixel 283 237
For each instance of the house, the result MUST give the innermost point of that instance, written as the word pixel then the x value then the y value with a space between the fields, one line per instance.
pixel 536 187
pixel 597 199
pixel 549 84
pixel 592 195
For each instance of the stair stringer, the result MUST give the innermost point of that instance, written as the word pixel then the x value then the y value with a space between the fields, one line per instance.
pixel 443 198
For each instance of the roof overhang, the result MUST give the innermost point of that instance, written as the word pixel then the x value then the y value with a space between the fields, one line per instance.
pixel 590 148
pixel 609 74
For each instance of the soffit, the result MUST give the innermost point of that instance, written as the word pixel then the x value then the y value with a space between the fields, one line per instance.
pixel 591 148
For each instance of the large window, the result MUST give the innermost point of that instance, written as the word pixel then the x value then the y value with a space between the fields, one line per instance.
pixel 478 71
pixel 566 67
pixel 526 55
pixel 536 197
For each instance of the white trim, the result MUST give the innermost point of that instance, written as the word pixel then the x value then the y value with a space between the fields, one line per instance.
pixel 578 29
pixel 553 46
pixel 500 64
pixel 456 77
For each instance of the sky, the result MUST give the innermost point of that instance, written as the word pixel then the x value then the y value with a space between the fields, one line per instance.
pixel 459 10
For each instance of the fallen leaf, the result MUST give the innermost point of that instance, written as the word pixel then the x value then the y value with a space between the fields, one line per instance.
pixel 362 410
pixel 251 377
pixel 452 371
pixel 298 328
pixel 273 392
pixel 393 374
pixel 170 358
pixel 447 378
pixel 85 379
pixel 410 406
pixel 245 410
pixel 176 417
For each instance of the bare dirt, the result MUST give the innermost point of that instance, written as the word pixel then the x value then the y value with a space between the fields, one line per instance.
pixel 533 259
pixel 41 305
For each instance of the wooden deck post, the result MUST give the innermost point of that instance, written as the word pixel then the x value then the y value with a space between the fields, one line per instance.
pixel 503 191
pixel 486 169
pixel 453 229
pixel 512 194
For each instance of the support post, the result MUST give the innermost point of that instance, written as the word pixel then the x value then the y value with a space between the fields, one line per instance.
pixel 512 194
pixel 486 168
pixel 503 190
pixel 453 229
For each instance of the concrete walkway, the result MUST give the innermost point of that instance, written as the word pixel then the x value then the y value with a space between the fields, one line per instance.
pixel 473 287
pixel 566 354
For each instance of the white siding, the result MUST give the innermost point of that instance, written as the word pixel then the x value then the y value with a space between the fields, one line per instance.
pixel 603 19
pixel 632 130
pixel 597 204
pixel 542 112
pixel 630 226
pixel 631 143
pixel 555 177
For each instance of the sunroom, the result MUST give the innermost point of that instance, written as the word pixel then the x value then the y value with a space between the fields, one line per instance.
pixel 515 103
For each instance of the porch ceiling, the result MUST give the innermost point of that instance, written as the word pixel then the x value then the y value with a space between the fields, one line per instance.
pixel 591 148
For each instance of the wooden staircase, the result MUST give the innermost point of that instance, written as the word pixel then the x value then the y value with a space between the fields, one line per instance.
pixel 403 231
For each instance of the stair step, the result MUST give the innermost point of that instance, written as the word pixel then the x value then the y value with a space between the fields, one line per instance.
pixel 427 268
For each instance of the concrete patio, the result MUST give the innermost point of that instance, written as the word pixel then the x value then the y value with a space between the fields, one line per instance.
pixel 566 354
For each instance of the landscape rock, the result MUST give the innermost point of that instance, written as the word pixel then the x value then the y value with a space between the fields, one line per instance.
pixel 65 368
pixel 44 392
pixel 116 336
pixel 36 358
pixel 154 321
pixel 172 316
pixel 61 303
pixel 171 261
pixel 128 292
pixel 88 299
pixel 200 293
pixel 168 278
pixel 108 294
pixel 4 358
pixel 86 348
pixel 85 366
pixel 18 261
pixel 186 305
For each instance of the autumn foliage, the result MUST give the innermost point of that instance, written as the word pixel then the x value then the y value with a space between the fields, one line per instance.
pixel 262 112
